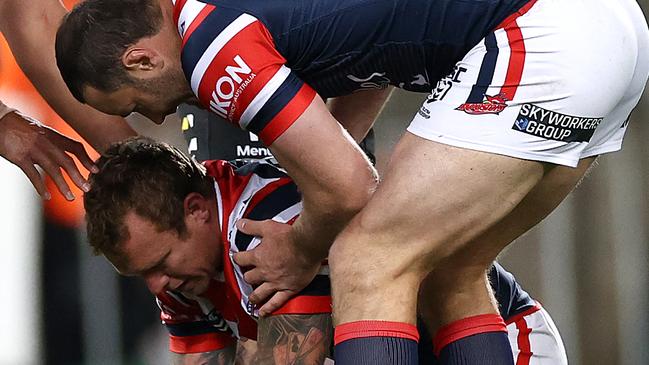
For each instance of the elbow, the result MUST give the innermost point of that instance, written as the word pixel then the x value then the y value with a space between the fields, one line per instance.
pixel 353 196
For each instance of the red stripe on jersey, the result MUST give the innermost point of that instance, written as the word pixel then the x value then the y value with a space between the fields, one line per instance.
pixel 264 192
pixel 306 304
pixel 523 341
pixel 285 118
pixel 256 49
pixel 516 61
pixel 197 21
pixel 200 343
pixel 522 11
pixel 178 8
pixel 232 186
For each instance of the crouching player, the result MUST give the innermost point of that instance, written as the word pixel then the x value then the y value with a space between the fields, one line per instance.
pixel 155 213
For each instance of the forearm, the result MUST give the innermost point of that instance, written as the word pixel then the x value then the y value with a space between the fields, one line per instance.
pixel 221 357
pixel 30 29
pixel 334 176
pixel 294 339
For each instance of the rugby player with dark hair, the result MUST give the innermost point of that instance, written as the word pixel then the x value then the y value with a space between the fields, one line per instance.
pixel 511 126
pixel 155 213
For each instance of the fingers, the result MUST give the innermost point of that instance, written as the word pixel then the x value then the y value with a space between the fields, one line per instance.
pixel 77 149
pixel 36 179
pixel 256 228
pixel 246 258
pixel 253 277
pixel 275 302
pixel 53 169
pixel 63 160
pixel 261 293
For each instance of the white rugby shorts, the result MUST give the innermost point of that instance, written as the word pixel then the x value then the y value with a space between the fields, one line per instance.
pixel 535 339
pixel 556 82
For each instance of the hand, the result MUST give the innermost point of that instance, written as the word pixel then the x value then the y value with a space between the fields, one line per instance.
pixel 26 143
pixel 279 266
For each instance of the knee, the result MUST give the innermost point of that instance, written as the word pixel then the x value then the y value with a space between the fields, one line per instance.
pixel 360 259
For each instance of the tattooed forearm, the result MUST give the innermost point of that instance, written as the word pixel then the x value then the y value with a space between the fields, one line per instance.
pixel 221 357
pixel 294 339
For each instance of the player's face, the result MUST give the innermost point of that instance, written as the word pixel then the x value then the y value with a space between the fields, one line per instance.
pixel 168 261
pixel 153 98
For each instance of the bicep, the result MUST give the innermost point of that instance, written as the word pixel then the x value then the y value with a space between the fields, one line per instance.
pixel 224 356
pixel 294 338
pixel 357 112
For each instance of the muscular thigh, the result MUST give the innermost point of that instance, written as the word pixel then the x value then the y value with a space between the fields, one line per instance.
pixel 435 198
pixel 555 185
pixel 463 273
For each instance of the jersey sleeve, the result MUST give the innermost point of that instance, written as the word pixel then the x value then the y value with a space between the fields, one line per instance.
pixel 314 299
pixel 233 67
pixel 190 329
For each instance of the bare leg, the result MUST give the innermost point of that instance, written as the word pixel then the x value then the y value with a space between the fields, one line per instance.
pixel 435 202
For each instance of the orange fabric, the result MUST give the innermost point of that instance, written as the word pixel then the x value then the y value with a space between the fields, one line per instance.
pixel 18 92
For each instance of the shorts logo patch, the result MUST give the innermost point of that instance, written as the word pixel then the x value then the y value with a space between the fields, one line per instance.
pixel 548 124
pixel 491 105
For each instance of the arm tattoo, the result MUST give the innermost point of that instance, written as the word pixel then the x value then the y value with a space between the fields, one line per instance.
pixel 220 357
pixel 294 339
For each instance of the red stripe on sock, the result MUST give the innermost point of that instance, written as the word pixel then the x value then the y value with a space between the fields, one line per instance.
pixel 467 327
pixel 362 329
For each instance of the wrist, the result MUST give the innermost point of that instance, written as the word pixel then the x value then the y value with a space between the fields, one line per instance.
pixel 313 247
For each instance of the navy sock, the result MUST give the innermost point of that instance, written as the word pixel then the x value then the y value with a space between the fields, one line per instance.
pixel 426 352
pixel 375 343
pixel 479 340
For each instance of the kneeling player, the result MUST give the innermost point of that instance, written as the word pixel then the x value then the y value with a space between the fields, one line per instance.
pixel 185 257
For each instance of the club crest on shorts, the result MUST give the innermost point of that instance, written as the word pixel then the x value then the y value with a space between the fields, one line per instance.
pixel 490 105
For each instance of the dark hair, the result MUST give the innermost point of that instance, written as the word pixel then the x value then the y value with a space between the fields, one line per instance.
pixel 143 176
pixel 94 35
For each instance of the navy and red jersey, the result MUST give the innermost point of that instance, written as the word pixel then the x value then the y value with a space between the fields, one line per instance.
pixel 212 321
pixel 260 63
pixel 260 190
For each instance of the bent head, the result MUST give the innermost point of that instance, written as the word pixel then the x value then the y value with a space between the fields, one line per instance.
pixel 123 56
pixel 152 212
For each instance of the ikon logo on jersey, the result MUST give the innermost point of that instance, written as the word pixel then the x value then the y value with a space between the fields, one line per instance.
pixel 491 105
pixel 229 86
pixel 548 124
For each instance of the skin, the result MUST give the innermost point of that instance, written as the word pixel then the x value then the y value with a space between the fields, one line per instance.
pixel 335 177
pixel 30 28
pixel 27 144
pixel 168 260
pixel 294 339
pixel 330 172
pixel 494 185
pixel 221 357
pixel 187 262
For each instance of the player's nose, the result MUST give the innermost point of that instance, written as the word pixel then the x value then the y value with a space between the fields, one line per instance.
pixel 156 282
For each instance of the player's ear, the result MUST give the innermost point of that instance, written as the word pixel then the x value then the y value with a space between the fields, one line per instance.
pixel 196 207
pixel 137 59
